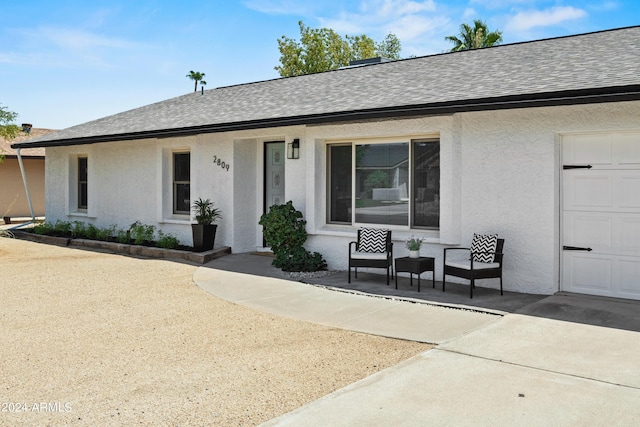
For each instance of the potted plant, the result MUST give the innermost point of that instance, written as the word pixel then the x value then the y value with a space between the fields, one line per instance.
pixel 413 244
pixel 204 232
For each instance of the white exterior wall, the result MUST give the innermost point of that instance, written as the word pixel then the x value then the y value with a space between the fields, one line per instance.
pixel 500 173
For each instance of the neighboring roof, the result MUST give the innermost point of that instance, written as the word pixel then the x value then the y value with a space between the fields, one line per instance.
pixel 376 156
pixel 587 68
pixel 5 145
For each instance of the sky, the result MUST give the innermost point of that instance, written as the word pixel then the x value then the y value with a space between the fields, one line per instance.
pixel 67 62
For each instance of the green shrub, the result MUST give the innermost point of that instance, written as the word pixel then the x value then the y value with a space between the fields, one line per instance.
pixel 122 236
pixel 78 229
pixel 138 232
pixel 141 233
pixel 303 260
pixel 62 228
pixel 43 228
pixel 284 231
pixel 105 234
pixel 167 241
pixel 92 232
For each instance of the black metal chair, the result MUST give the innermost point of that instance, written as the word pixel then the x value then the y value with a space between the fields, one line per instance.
pixel 473 270
pixel 373 249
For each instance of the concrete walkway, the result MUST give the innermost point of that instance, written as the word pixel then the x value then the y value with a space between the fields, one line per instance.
pixel 373 315
pixel 490 368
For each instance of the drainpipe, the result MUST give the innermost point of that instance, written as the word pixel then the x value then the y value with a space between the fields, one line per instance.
pixel 26 186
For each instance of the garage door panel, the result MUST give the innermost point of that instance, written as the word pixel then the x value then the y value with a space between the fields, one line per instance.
pixel 629 149
pixel 588 149
pixel 627 271
pixel 588 273
pixel 601 212
pixel 627 190
pixel 628 241
pixel 592 191
pixel 589 230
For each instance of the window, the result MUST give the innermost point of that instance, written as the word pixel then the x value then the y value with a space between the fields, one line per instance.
pixel 82 183
pixel 181 183
pixel 340 183
pixel 426 183
pixel 395 183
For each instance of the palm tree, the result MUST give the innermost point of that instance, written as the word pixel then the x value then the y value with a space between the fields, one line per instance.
pixel 196 76
pixel 474 38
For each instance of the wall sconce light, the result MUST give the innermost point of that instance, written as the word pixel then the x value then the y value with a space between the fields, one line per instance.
pixel 293 149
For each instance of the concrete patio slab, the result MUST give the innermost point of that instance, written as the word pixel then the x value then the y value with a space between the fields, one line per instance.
pixel 444 388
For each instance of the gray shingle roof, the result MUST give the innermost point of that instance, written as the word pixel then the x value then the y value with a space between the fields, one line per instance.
pixel 601 63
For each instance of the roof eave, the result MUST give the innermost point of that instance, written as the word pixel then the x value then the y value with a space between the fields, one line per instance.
pixel 575 97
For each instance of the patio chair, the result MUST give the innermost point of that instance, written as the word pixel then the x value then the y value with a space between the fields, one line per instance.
pixel 484 262
pixel 373 249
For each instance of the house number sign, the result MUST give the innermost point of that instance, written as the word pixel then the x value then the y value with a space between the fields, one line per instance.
pixel 219 162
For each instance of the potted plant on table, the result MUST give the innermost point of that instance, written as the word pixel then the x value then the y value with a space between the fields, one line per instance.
pixel 204 232
pixel 414 244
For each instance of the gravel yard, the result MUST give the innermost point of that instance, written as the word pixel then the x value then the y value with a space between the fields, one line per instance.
pixel 91 338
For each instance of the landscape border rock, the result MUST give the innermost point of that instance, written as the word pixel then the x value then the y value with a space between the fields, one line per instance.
pixel 126 249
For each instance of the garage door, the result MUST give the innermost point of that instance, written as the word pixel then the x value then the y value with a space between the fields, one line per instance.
pixel 601 214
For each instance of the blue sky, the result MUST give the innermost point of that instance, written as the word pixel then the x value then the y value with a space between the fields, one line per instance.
pixel 66 62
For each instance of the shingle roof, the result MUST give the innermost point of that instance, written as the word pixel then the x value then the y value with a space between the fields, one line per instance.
pixel 5 145
pixel 592 67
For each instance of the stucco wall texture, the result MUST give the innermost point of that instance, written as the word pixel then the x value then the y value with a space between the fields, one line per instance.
pixel 501 173
pixel 13 197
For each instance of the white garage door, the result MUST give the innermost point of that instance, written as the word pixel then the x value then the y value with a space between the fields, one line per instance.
pixel 601 214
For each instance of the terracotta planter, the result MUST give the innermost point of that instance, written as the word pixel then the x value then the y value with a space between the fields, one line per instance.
pixel 204 236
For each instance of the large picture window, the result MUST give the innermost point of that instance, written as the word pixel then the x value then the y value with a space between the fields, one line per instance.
pixel 181 183
pixel 83 201
pixel 393 183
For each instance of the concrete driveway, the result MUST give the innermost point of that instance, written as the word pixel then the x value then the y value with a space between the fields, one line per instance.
pixel 565 360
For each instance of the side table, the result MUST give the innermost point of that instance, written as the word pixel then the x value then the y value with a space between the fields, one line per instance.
pixel 417 266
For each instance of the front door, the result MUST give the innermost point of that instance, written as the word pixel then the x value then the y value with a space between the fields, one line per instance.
pixel 601 214
pixel 274 158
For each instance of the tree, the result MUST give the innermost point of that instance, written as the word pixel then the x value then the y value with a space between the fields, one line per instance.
pixel 390 47
pixel 8 129
pixel 196 76
pixel 475 37
pixel 322 49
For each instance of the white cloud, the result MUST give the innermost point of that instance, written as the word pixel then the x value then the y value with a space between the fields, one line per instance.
pixel 398 7
pixel 605 6
pixel 67 47
pixel 499 4
pixel 279 7
pixel 405 18
pixel 82 40
pixel 524 21
pixel 413 28
pixel 72 39
pixel 469 14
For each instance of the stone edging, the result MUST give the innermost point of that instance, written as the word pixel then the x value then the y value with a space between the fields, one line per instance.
pixel 122 248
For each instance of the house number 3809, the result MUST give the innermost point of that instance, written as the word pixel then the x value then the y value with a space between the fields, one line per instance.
pixel 217 161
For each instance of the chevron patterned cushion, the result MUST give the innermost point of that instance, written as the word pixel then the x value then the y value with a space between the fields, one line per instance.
pixel 484 243
pixel 372 240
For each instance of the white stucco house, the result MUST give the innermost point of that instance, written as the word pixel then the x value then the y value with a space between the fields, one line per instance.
pixel 538 142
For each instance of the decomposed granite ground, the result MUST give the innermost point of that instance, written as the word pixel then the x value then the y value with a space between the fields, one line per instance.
pixel 90 338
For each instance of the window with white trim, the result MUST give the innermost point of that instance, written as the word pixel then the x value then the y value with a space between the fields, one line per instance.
pixel 83 192
pixel 182 183
pixel 389 183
